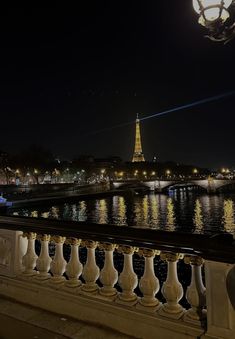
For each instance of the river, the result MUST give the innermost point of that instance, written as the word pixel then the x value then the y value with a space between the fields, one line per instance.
pixel 180 211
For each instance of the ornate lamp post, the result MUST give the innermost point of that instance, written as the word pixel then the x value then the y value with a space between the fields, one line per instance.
pixel 217 16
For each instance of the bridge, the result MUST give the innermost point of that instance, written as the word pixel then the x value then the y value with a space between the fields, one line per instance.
pixel 211 185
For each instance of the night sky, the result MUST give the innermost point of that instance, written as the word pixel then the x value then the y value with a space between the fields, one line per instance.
pixel 67 72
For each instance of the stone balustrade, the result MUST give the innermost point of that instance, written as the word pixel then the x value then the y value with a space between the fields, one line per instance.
pixel 74 279
pixel 56 271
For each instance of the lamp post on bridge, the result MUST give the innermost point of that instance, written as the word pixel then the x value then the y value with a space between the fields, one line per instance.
pixel 168 173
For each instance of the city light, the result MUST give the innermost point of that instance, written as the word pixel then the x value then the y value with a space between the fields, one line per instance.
pixel 225 170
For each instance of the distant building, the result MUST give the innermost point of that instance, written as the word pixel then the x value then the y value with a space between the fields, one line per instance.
pixel 138 155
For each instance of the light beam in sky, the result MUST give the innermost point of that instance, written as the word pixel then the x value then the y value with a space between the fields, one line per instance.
pixel 175 109
pixel 196 103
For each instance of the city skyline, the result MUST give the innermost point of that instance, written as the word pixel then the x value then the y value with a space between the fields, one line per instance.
pixel 67 75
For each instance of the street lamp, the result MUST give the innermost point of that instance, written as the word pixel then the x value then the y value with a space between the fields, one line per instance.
pixel 168 172
pixel 217 17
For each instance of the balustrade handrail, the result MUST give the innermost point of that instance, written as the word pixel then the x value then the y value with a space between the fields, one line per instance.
pixel 218 247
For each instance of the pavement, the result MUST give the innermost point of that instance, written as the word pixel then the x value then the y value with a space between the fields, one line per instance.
pixel 19 321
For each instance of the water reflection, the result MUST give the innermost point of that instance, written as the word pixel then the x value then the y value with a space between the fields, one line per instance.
pixel 228 217
pixel 198 218
pixel 80 212
pixel 33 214
pixel 181 211
pixel 146 211
pixel 154 211
pixel 170 217
pixel 212 212
pixel 66 211
pixel 101 211
pixel 45 215
pixel 119 210
pixel 54 212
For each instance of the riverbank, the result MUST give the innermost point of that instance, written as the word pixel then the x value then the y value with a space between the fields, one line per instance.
pixel 66 198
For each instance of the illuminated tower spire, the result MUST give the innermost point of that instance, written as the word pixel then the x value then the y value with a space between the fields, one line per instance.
pixel 138 154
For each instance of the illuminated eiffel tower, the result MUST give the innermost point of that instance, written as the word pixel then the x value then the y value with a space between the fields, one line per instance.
pixel 138 155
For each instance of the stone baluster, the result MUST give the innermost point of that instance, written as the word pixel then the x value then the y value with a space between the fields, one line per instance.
pixel 196 292
pixel 108 274
pixel 74 266
pixel 128 280
pixel 90 271
pixel 30 257
pixel 58 263
pixel 44 260
pixel 172 289
pixel 149 283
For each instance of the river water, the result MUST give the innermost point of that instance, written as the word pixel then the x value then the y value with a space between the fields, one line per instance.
pixel 179 211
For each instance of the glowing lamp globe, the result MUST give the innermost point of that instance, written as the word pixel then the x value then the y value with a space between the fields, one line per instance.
pixel 212 10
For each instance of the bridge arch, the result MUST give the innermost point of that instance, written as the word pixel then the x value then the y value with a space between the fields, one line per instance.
pixel 211 185
pixel 132 185
pixel 203 185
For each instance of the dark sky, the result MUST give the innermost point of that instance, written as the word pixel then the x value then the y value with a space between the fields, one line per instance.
pixel 67 72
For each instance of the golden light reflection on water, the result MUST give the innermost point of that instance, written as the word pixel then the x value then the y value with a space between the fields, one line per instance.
pixel 34 214
pixel 141 211
pixel 154 210
pixel 228 216
pixel 102 211
pixel 198 218
pixel 119 210
pixel 186 212
pixel 170 216
pixel 45 215
pixel 54 212
pixel 145 210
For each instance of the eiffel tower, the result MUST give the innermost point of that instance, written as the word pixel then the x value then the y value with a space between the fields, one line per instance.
pixel 138 155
